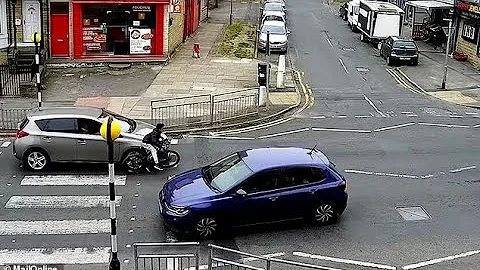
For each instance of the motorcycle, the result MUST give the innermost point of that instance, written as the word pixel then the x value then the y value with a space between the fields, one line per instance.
pixel 138 161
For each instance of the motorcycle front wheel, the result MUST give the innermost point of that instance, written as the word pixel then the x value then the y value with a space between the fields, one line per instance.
pixel 172 160
pixel 134 162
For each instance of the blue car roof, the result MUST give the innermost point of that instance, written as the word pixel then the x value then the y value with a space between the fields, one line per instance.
pixel 260 159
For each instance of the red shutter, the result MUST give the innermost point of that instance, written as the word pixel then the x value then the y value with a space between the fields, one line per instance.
pixel 158 39
pixel 77 31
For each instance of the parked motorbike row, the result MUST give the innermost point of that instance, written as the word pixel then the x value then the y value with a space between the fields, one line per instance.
pixel 273 31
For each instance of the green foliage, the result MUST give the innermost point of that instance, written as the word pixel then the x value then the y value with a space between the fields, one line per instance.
pixel 239 41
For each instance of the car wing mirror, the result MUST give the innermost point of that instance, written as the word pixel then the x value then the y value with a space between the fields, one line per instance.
pixel 241 193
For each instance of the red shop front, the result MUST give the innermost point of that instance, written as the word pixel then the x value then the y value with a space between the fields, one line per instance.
pixel 118 29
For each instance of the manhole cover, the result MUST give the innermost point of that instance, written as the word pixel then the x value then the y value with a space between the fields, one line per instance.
pixel 413 213
pixel 362 69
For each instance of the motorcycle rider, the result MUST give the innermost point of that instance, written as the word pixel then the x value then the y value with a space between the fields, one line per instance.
pixel 152 139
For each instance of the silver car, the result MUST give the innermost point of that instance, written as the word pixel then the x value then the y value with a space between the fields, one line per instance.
pixel 73 135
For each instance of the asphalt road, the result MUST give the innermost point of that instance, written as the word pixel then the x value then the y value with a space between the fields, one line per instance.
pixel 396 149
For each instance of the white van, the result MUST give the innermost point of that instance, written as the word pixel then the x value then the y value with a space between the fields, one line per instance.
pixel 353 8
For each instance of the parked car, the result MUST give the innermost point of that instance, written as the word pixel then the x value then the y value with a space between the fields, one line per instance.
pixel 395 49
pixel 282 2
pixel 274 16
pixel 72 134
pixel 278 36
pixel 353 8
pixel 273 7
pixel 254 186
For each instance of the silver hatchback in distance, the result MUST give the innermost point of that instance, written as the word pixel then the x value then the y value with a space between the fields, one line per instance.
pixel 73 135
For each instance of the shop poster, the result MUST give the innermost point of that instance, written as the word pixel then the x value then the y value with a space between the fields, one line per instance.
pixel 140 40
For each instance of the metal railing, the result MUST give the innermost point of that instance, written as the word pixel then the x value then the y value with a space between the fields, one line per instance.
pixel 168 256
pixel 204 109
pixel 10 117
pixel 10 78
pixel 186 256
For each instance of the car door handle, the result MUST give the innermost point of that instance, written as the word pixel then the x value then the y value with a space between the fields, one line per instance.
pixel 82 142
pixel 273 199
pixel 47 139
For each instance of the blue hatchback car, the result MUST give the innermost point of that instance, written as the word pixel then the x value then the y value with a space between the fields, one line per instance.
pixel 252 187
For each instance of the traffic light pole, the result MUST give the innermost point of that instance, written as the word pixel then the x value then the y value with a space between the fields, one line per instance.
pixel 114 262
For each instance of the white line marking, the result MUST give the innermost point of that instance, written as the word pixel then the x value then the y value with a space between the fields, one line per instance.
pixel 71 180
pixel 339 116
pixel 54 227
pixel 221 138
pixel 6 144
pixel 284 133
pixel 329 42
pixel 455 116
pixel 406 112
pixel 471 113
pixel 248 129
pixel 243 261
pixel 393 127
pixel 60 201
pixel 373 106
pixel 381 174
pixel 443 125
pixel 427 176
pixel 412 115
pixel 463 169
pixel 343 65
pixel 347 261
pixel 362 116
pixel 476 126
pixel 342 130
pixel 318 117
pixel 98 255
pixel 434 261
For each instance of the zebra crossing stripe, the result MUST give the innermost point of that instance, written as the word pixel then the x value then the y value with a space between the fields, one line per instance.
pixel 54 227
pixel 60 201
pixel 97 255
pixel 71 180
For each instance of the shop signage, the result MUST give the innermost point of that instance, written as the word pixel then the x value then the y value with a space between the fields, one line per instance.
pixel 33 267
pixel 468 7
pixel 469 32
pixel 93 37
pixel 177 8
pixel 141 8
pixel 140 40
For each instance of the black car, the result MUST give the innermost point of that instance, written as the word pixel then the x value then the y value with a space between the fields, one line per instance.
pixel 395 50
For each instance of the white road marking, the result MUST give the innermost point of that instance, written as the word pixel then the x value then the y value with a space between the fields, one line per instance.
pixel 471 113
pixel 339 116
pixel 99 255
pixel 381 174
pixel 427 176
pixel 284 133
pixel 343 65
pixel 463 169
pixel 393 127
pixel 346 261
pixel 439 260
pixel 318 117
pixel 5 144
pixel 221 137
pixel 329 42
pixel 476 126
pixel 54 227
pixel 373 106
pixel 406 112
pixel 455 116
pixel 443 125
pixel 60 201
pixel 71 180
pixel 412 115
pixel 362 116
pixel 243 261
pixel 342 130
pixel 253 128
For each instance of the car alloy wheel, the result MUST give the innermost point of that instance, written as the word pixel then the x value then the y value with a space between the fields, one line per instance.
pixel 206 227
pixel 324 214
pixel 36 160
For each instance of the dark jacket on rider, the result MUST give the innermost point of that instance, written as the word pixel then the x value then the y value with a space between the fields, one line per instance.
pixel 153 137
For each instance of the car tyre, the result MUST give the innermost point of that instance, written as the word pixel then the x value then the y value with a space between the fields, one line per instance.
pixel 36 160
pixel 134 162
pixel 415 62
pixel 325 214
pixel 206 227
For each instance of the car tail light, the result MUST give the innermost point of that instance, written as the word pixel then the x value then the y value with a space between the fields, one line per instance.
pixel 21 134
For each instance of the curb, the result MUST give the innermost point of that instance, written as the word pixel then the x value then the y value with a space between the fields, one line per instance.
pixel 429 94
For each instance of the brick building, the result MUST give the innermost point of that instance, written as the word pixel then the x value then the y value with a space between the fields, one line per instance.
pixel 468 18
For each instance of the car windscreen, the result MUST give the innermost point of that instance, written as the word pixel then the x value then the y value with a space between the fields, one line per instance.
pixel 226 173
pixel 404 44
pixel 127 124
pixel 273 29
pixel 273 7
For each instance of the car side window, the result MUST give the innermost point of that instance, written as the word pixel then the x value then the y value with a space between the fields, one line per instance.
pixel 41 124
pixel 88 126
pixel 264 181
pixel 67 125
pixel 301 176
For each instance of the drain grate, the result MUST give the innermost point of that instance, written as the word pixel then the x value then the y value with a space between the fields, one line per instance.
pixel 413 213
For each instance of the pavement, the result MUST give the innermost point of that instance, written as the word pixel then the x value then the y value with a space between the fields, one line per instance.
pixel 462 84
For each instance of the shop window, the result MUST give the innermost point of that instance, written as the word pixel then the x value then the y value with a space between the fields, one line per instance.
pixel 119 29
pixel 59 8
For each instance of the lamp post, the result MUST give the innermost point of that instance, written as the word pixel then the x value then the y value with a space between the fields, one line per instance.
pixel 445 66
pixel 110 131
pixel 36 38
pixel 231 11
pixel 14 3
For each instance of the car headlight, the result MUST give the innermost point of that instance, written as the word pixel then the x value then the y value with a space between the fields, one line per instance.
pixel 177 211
